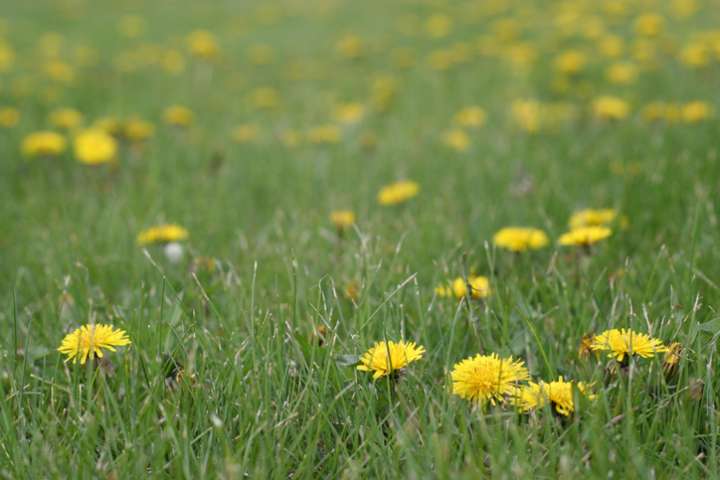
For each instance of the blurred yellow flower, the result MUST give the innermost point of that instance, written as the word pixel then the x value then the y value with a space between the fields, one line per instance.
pixel 470 117
pixel 649 24
pixel 89 341
pixel 610 108
pixel 487 378
pixel 526 114
pixel 178 115
pixel 342 219
pixel 398 192
pixel 67 118
pixel 43 144
pixel 245 133
pixel 349 113
pixel 457 139
pixel 7 56
pixel 622 73
pixel 386 358
pixel 9 117
pixel 138 130
pixel 584 236
pixel 109 125
pixel 592 217
pixel 203 44
pixel 264 98
pixel 162 234
pixel 350 46
pixel 438 25
pixel 570 62
pixel 94 146
pixel 324 134
pixel 520 239
pixel 697 111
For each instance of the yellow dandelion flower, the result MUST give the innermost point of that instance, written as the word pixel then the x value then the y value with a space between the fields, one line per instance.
pixel 697 111
pixel 520 239
pixel 94 146
pixel 610 108
pixel 90 340
pixel 457 139
pixel 342 219
pixel 138 130
pixel 203 44
pixel 479 287
pixel 324 134
pixel 487 378
pixel 264 98
pixel 162 234
pixel 245 133
pixel 527 114
pixel 178 115
pixel 649 24
pixel 385 358
pixel 584 236
pixel 398 192
pixel 350 46
pixel 623 342
pixel 43 144
pixel 438 25
pixel 470 117
pixel 622 73
pixel 592 217
pixel 9 117
pixel 66 118
pixel 349 113
pixel 570 62
pixel 559 393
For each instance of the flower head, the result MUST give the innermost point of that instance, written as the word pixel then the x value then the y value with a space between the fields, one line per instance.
pixel 385 358
pixel 162 234
pixel 610 108
pixel 519 239
pixel 398 192
pixel 138 130
pixel 89 340
pixel 470 117
pixel 178 116
pixel 342 219
pixel 559 394
pixel 592 217
pixel 66 118
pixel 584 236
pixel 203 44
pixel 43 144
pixel 623 342
pixel 94 146
pixel 484 378
pixel 9 117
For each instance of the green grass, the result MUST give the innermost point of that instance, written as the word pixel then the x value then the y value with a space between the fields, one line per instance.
pixel 260 396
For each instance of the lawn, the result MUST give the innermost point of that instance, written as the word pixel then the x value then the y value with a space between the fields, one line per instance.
pixel 260 197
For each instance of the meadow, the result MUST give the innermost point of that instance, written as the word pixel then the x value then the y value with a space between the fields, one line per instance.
pixel 248 239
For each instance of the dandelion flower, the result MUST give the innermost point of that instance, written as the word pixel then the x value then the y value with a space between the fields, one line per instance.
pixel 350 113
pixel 559 394
pixel 66 118
pixel 89 340
pixel 398 192
pixel 178 116
pixel 167 233
pixel 592 217
pixel 479 287
pixel 94 146
pixel 138 130
pixel 487 378
pixel 43 144
pixel 9 117
pixel 584 236
pixel 520 239
pixel 456 139
pixel 384 358
pixel 203 44
pixel 470 117
pixel 342 219
pixel 610 108
pixel 245 133
pixel 623 342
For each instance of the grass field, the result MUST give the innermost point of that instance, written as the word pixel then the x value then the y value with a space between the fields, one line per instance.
pixel 247 332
